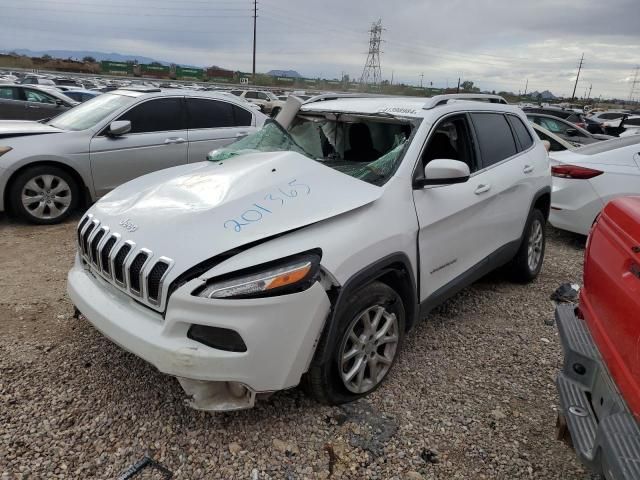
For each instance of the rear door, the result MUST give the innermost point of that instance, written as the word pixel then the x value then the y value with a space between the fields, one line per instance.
pixel 506 171
pixel 11 106
pixel 39 104
pixel 158 139
pixel 213 124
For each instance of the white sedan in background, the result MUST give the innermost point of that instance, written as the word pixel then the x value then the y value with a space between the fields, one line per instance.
pixel 586 178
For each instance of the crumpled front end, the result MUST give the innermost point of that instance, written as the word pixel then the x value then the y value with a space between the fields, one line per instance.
pixel 224 352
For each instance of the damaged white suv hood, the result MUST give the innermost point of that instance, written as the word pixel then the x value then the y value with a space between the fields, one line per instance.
pixel 194 212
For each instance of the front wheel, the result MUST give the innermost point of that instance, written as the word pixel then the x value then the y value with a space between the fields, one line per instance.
pixel 528 261
pixel 364 348
pixel 44 195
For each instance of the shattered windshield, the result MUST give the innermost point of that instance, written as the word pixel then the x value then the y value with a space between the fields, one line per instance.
pixel 366 148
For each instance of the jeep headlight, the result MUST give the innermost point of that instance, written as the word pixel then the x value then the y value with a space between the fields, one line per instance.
pixel 289 275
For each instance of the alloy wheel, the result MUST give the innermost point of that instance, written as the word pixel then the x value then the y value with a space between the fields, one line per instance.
pixel 535 244
pixel 368 349
pixel 46 196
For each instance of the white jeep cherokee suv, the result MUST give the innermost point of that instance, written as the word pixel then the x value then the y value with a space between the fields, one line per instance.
pixel 307 250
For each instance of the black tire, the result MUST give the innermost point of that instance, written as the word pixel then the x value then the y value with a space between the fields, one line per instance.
pixel 65 201
pixel 323 380
pixel 522 270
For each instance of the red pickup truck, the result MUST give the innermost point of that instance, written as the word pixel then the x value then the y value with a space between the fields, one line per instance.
pixel 599 385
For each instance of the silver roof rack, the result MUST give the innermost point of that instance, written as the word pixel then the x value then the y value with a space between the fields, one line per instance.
pixel 438 100
pixel 334 96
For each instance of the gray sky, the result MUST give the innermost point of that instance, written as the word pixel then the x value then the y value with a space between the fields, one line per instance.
pixel 496 43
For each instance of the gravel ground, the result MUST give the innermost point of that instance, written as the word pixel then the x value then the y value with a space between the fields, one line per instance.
pixel 472 395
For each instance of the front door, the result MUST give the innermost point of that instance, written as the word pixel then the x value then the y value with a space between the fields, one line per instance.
pixel 157 140
pixel 214 124
pixel 451 239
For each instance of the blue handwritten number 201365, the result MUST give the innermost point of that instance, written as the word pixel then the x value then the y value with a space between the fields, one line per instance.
pixel 253 215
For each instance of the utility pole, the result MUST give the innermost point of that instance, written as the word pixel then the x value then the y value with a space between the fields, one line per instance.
pixel 573 95
pixel 590 87
pixel 255 21
pixel 372 73
pixel 633 84
pixel 526 86
pixel 458 88
pixel 421 78
pixel 391 77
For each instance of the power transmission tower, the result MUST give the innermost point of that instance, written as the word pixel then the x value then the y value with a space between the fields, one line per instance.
pixel 371 73
pixel 526 86
pixel 421 78
pixel 633 84
pixel 255 21
pixel 590 87
pixel 573 95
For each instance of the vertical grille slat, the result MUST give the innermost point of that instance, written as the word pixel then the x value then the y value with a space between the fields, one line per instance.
pixel 104 255
pixel 135 271
pixel 83 222
pixel 118 263
pixel 154 279
pixel 85 238
pixel 94 247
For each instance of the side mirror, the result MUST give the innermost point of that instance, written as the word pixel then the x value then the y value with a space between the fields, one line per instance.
pixel 572 132
pixel 547 145
pixel 119 127
pixel 443 172
pixel 59 102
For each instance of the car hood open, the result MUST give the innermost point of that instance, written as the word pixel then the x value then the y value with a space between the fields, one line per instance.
pixel 19 128
pixel 194 212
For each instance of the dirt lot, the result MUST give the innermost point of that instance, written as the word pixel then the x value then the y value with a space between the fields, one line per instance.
pixel 471 397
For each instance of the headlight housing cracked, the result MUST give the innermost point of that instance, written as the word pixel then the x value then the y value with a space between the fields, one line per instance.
pixel 284 276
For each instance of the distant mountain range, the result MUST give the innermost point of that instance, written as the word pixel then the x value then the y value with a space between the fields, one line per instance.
pixel 284 73
pixel 80 54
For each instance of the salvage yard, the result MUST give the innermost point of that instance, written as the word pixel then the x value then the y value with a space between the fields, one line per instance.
pixel 472 395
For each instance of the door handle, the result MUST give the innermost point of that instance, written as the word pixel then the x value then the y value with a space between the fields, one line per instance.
pixel 242 134
pixel 482 188
pixel 32 106
pixel 527 169
pixel 174 140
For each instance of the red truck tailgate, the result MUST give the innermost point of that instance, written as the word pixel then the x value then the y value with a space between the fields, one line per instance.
pixel 610 297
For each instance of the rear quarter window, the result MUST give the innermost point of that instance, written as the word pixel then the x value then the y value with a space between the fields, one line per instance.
pixel 521 132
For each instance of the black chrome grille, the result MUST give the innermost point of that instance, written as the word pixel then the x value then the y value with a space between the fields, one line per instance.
pixel 135 269
pixel 80 227
pixel 104 255
pixel 118 263
pixel 121 262
pixel 154 279
pixel 94 246
pixel 85 237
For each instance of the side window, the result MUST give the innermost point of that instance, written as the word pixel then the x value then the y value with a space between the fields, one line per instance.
pixel 633 121
pixel 451 139
pixel 40 97
pixel 521 131
pixel 262 96
pixel 251 95
pixel 8 93
pixel 158 115
pixel 552 125
pixel 242 117
pixel 555 146
pixel 209 113
pixel 495 139
pixel 237 93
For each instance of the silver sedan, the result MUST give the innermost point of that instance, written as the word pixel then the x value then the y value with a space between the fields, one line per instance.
pixel 49 169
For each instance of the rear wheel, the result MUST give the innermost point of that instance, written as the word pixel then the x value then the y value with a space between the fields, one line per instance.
pixel 528 261
pixel 364 348
pixel 44 195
